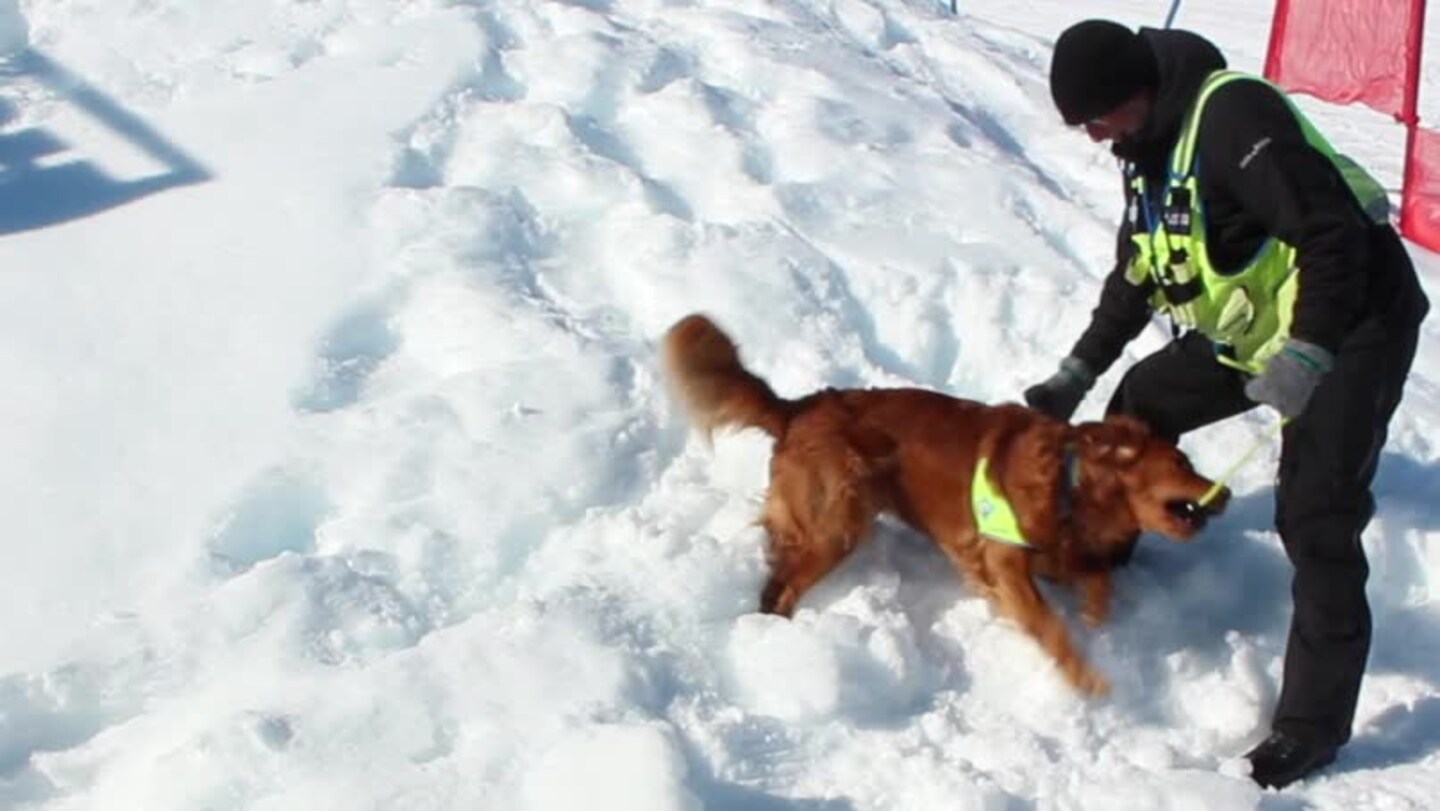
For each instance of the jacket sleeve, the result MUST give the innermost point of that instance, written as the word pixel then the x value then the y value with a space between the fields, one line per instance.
pixel 1123 311
pixel 1252 148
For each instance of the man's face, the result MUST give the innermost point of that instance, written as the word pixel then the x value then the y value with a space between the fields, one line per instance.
pixel 1121 122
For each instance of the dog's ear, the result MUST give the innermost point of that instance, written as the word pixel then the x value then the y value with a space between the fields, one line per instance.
pixel 1117 441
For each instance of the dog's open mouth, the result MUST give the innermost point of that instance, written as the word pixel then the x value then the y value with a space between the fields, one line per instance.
pixel 1189 513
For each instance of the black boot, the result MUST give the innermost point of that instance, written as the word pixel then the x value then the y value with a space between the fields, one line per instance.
pixel 1282 758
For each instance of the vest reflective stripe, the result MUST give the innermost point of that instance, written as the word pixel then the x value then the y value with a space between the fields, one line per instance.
pixel 994 517
pixel 1247 313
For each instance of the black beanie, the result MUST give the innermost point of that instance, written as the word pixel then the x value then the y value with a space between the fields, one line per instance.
pixel 1098 65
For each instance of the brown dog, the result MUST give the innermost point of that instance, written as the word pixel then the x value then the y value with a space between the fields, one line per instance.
pixel 842 457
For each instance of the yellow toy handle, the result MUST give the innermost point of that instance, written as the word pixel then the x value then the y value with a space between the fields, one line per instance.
pixel 1220 482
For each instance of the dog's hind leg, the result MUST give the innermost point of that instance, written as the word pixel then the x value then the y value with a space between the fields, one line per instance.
pixel 1019 599
pixel 812 530
pixel 796 566
pixel 823 498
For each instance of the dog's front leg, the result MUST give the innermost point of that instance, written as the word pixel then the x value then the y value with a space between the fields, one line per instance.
pixel 1095 593
pixel 1019 599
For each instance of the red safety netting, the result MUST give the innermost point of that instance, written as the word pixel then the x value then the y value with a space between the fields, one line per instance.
pixel 1420 201
pixel 1367 52
pixel 1347 51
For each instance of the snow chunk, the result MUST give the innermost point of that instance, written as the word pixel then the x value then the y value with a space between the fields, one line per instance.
pixel 636 767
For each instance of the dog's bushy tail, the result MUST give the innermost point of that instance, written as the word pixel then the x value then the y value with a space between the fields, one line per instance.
pixel 718 392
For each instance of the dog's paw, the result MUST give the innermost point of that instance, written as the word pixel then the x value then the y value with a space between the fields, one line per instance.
pixel 1094 616
pixel 1092 683
pixel 1086 679
pixel 777 599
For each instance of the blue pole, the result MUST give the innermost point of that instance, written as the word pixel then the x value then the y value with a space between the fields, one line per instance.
pixel 1174 7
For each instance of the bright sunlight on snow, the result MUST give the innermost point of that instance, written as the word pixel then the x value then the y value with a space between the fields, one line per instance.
pixel 337 472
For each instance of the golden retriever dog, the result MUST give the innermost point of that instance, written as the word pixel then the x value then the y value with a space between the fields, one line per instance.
pixel 1074 494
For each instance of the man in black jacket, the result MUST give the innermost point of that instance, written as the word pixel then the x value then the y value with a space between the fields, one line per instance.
pixel 1259 196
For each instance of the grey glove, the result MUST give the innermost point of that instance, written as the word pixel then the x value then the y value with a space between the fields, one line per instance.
pixel 1290 377
pixel 1062 392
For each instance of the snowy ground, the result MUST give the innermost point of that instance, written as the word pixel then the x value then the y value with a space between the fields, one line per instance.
pixel 338 474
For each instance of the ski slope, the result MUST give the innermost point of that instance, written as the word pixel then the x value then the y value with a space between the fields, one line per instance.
pixel 339 474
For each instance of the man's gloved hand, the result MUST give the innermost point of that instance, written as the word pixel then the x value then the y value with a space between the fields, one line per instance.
pixel 1062 392
pixel 1290 377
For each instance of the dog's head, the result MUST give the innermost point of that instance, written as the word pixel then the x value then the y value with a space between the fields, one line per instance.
pixel 1153 477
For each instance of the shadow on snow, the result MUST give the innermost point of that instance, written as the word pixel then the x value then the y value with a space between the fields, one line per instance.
pixel 36 191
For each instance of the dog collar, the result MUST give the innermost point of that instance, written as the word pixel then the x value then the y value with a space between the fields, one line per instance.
pixel 1070 485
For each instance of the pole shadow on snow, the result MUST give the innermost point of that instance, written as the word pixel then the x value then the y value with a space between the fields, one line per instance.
pixel 39 188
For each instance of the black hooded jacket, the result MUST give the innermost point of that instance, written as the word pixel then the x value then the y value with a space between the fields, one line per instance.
pixel 1258 177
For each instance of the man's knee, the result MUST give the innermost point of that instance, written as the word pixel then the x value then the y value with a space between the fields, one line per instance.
pixel 1319 514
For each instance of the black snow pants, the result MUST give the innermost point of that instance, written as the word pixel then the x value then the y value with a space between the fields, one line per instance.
pixel 1322 501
